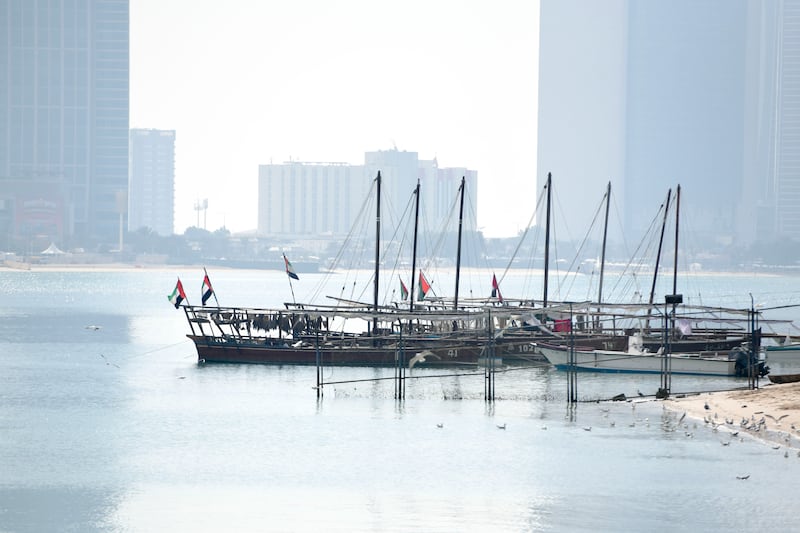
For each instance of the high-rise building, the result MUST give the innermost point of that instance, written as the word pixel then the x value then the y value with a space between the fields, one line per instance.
pixel 307 199
pixel 151 192
pixel 649 95
pixel 63 121
pixel 785 113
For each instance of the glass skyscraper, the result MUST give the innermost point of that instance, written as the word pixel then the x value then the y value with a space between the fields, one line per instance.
pixel 64 114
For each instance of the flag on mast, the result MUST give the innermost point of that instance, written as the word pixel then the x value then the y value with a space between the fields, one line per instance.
pixel 496 289
pixel 424 286
pixel 403 290
pixel 177 295
pixel 289 269
pixel 207 291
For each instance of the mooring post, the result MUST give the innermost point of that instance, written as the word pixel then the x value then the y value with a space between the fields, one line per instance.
pixel 572 370
pixel 488 372
pixel 318 358
pixel 400 369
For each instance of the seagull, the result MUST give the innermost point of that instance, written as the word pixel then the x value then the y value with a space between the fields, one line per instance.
pixel 587 428
pixel 743 477
pixel 440 425
pixel 501 426
pixel 639 392
pixel 93 327
pixel 420 358
pixel 107 362
pixel 726 443
pixel 706 406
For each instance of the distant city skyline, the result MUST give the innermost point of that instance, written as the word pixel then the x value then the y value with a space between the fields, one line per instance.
pixel 643 95
pixel 251 83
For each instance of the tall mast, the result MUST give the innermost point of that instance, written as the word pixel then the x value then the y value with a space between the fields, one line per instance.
pixel 458 250
pixel 377 252
pixel 603 251
pixel 414 252
pixel 547 240
pixel 677 218
pixel 660 242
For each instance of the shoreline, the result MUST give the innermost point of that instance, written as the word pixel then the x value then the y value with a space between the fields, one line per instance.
pixel 23 266
pixel 770 414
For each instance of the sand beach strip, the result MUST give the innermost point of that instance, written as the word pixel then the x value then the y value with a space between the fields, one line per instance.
pixel 770 413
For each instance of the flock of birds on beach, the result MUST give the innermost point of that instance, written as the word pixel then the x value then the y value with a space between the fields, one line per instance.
pixel 753 425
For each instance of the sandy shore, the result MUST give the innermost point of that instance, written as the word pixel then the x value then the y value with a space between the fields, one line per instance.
pixel 771 413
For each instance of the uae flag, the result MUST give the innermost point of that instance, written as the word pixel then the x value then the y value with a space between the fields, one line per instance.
pixel 207 290
pixel 496 289
pixel 289 269
pixel 424 286
pixel 403 290
pixel 177 295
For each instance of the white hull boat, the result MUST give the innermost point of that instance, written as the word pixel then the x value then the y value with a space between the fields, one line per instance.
pixel 732 363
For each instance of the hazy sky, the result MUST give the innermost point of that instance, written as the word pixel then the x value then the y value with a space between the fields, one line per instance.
pixel 249 82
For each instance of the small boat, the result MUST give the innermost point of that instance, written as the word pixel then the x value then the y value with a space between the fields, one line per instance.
pixel 722 363
pixel 784 378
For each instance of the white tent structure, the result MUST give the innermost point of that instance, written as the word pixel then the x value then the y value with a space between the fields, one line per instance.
pixel 52 250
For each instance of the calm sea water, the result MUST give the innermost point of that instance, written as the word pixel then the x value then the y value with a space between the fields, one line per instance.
pixel 119 429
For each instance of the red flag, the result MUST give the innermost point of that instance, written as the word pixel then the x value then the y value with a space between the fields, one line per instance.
pixel 424 286
pixel 496 289
pixel 403 290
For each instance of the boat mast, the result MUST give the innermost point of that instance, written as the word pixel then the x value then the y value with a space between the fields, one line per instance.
pixel 377 252
pixel 414 252
pixel 547 240
pixel 458 250
pixel 660 243
pixel 603 251
pixel 677 218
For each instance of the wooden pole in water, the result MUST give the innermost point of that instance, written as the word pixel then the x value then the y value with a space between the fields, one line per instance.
pixel 377 253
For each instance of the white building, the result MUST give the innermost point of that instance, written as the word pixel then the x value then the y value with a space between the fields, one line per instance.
pixel 306 199
pixel 151 193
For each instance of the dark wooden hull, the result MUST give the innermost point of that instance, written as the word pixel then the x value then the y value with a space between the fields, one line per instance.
pixel 276 352
pixel 784 378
